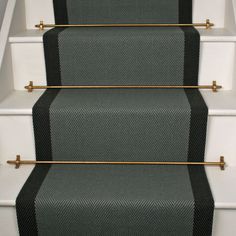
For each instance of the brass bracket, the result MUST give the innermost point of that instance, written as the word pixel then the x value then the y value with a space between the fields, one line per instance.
pixel 17 162
pixel 208 24
pixel 222 163
pixel 41 25
pixel 215 87
pixel 30 87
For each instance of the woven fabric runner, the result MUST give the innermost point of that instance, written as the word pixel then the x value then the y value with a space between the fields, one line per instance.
pixel 119 125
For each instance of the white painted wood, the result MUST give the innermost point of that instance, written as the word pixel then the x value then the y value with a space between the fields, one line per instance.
pixel 6 74
pixel 28 64
pixel 221 136
pixel 37 11
pixel 221 103
pixel 12 23
pixel 223 193
pixel 217 35
pixel 3 4
pixel 230 19
pixel 209 9
pixel 6 24
pixel 12 181
pixel 5 57
pixel 217 60
pixel 19 103
pixel 224 222
pixel 16 137
pixel 8 222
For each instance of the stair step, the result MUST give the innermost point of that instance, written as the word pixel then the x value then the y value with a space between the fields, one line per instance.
pixel 19 103
pixel 217 63
pixel 221 103
pixel 217 57
pixel 210 35
pixel 224 194
pixel 16 126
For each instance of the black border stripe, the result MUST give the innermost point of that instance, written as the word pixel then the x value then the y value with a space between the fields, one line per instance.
pixel 198 126
pixel 203 200
pixel 41 120
pixel 52 58
pixel 191 55
pixel 185 11
pixel 60 11
pixel 199 110
pixel 25 202
pixel 204 203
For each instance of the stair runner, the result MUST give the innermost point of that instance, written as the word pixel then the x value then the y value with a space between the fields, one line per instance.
pixel 119 125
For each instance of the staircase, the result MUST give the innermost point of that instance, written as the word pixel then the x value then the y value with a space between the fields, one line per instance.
pixel 22 60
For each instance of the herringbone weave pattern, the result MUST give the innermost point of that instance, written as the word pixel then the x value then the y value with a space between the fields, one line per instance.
pixel 119 125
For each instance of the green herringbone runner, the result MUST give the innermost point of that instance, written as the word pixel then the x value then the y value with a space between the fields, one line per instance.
pixel 119 125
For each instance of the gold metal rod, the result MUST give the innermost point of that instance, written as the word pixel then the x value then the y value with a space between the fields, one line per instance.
pixel 42 26
pixel 19 162
pixel 214 87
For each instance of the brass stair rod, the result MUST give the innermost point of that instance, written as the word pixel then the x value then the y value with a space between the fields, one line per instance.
pixel 207 25
pixel 18 162
pixel 214 87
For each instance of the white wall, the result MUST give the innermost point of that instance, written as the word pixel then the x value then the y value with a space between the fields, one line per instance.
pixel 3 4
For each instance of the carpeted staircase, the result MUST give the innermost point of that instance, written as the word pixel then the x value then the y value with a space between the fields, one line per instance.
pixel 125 125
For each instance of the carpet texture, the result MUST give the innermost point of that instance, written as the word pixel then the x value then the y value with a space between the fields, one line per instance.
pixel 119 125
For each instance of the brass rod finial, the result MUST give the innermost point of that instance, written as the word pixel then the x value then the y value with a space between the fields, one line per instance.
pixel 222 163
pixel 16 162
pixel 215 87
pixel 208 24
pixel 41 25
pixel 30 87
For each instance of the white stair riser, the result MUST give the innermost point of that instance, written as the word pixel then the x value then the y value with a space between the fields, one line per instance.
pixel 43 10
pixel 216 63
pixel 17 137
pixel 224 222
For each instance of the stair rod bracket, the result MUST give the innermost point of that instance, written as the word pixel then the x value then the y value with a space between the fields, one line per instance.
pixel 18 162
pixel 214 87
pixel 207 25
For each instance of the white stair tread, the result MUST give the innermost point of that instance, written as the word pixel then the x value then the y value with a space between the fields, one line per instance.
pixel 217 35
pixel 11 182
pixel 19 103
pixel 221 182
pixel 221 103
pixel 210 35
